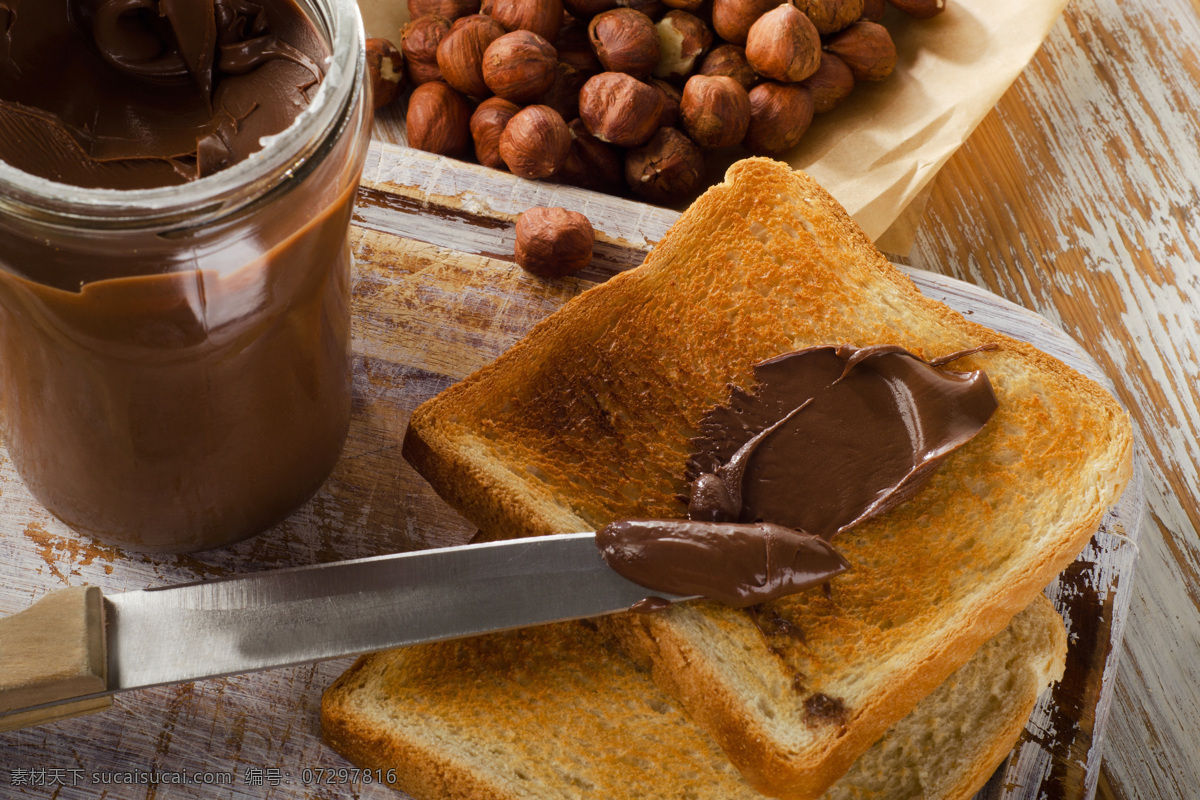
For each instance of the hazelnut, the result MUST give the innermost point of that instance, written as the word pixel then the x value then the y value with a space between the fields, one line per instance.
pixel 460 55
pixel 921 9
pixel 586 9
pixel 682 38
pixel 730 60
pixel 672 97
pixel 784 45
pixel 867 49
pixel 715 110
pixel 543 17
pixel 780 114
pixel 419 42
pixel 625 41
pixel 385 65
pixel 683 5
pixel 591 164
pixel 563 94
pixel 830 16
pixel 535 142
pixel 450 9
pixel 619 109
pixel 554 242
pixel 519 66
pixel 830 84
pixel 666 169
pixel 439 120
pixel 487 123
pixel 575 48
pixel 732 19
pixel 873 10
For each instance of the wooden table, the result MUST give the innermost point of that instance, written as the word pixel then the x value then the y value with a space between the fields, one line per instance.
pixel 1075 198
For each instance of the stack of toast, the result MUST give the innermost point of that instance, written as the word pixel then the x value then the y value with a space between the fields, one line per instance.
pixel 912 678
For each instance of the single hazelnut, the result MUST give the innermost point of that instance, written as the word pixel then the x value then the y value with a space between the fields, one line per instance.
pixel 715 110
pixel 586 9
pixel 780 114
pixel 519 66
pixel 732 19
pixel 543 17
pixel 450 9
pixel 666 169
pixel 830 16
pixel 439 120
pixel 619 109
pixel 563 94
pixel 591 164
pixel 873 10
pixel 784 45
pixel 683 5
pixel 830 84
pixel 385 65
pixel 575 48
pixel 487 124
pixel 460 55
pixel 868 50
pixel 554 242
pixel 419 42
pixel 730 60
pixel 921 9
pixel 625 41
pixel 672 97
pixel 535 142
pixel 682 39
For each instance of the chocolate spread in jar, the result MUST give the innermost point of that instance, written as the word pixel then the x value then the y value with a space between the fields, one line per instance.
pixel 180 385
pixel 738 565
pixel 129 94
pixel 833 436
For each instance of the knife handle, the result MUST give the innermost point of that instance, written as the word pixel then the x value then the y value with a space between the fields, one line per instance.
pixel 52 652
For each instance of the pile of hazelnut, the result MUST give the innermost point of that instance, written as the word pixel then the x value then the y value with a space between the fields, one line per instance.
pixel 628 95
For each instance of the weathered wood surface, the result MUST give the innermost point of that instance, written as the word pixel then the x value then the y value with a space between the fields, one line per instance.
pixel 435 298
pixel 1077 198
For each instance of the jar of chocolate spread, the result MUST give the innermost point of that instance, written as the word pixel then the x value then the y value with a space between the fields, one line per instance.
pixel 176 185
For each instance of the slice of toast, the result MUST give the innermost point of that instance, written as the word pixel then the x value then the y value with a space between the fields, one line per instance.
pixel 590 419
pixel 558 712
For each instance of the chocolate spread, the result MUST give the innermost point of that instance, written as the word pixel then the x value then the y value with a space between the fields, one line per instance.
pixel 182 385
pixel 738 565
pixel 129 94
pixel 833 436
pixel 830 437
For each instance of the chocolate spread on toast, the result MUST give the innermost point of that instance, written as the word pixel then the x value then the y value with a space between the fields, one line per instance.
pixel 830 437
pixel 131 94
pixel 833 436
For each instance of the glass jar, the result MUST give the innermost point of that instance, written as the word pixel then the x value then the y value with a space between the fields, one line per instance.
pixel 182 380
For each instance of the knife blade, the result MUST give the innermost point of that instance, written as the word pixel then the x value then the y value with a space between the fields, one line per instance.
pixel 280 618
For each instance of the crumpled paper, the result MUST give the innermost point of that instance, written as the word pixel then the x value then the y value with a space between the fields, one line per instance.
pixel 877 151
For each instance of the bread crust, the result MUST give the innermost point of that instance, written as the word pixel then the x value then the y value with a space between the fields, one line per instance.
pixel 588 419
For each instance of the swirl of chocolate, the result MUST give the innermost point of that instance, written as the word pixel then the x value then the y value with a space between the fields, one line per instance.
pixel 833 436
pixel 130 94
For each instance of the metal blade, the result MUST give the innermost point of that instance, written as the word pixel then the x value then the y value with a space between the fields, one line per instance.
pixel 286 617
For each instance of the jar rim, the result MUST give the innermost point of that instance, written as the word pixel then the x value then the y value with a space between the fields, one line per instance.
pixel 281 154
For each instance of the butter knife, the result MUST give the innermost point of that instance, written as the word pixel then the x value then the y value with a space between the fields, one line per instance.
pixel 68 653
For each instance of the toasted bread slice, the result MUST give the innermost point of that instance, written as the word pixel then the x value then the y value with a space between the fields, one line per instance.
pixel 590 419
pixel 558 712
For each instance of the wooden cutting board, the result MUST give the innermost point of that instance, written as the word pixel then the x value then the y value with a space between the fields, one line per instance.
pixel 435 297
